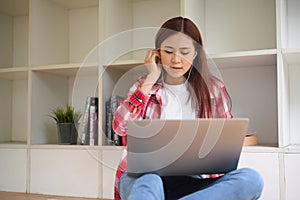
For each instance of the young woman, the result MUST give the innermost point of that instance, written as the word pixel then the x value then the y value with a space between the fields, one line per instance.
pixel 179 85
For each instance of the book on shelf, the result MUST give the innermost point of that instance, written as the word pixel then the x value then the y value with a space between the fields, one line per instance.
pixel 93 132
pixel 85 123
pixel 111 107
pixel 89 133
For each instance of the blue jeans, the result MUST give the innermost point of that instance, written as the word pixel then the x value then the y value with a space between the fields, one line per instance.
pixel 243 184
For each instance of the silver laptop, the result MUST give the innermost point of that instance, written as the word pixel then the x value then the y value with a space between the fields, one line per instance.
pixel 184 147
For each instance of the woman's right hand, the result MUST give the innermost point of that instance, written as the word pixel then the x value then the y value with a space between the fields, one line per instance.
pixel 152 63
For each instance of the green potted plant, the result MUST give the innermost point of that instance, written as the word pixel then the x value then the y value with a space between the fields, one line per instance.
pixel 67 120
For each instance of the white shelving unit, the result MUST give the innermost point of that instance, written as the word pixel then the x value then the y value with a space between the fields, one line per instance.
pixel 55 52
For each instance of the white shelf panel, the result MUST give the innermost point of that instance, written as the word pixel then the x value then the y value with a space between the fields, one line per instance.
pixel 262 149
pixel 244 58
pixel 293 149
pixel 13 145
pixel 69 70
pixel 125 65
pixel 24 145
pixel 292 56
pixel 14 73
pixel 69 147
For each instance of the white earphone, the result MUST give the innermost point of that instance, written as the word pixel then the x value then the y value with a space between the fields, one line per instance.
pixel 195 55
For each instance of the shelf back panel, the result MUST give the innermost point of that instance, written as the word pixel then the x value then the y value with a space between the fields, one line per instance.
pixel 253 91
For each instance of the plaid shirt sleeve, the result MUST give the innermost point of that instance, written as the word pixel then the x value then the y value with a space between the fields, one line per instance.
pixel 221 104
pixel 132 107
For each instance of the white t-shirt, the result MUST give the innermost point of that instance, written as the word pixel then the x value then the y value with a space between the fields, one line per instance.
pixel 176 103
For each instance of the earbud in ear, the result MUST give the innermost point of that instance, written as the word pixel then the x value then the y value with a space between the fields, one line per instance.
pixel 195 55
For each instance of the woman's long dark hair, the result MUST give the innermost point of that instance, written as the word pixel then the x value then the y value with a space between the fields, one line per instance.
pixel 200 75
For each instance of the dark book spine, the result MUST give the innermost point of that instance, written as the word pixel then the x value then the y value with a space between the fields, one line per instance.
pixel 108 131
pixel 93 131
pixel 115 102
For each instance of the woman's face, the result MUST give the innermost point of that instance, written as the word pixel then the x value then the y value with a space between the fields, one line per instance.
pixel 177 54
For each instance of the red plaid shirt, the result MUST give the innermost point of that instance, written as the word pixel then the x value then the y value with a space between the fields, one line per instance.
pixel 138 105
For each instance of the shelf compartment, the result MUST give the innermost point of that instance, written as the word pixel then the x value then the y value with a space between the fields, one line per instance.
pixel 232 25
pixel 127 19
pixel 63 31
pixel 257 81
pixel 57 86
pixel 13 176
pixel 14 105
pixel 290 24
pixel 116 80
pixel 122 15
pixel 291 66
pixel 62 166
pixel 14 30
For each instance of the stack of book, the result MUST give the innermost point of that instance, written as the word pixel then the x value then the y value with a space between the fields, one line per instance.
pixel 111 107
pixel 89 133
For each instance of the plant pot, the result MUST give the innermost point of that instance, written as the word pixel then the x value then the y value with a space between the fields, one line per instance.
pixel 67 133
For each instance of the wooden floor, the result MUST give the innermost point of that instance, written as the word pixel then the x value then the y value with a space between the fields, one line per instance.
pixel 22 196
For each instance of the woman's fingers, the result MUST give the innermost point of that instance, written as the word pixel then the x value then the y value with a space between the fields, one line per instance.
pixel 152 56
pixel 151 59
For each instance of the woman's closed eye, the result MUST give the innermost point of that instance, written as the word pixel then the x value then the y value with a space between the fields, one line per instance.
pixel 182 52
pixel 168 51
